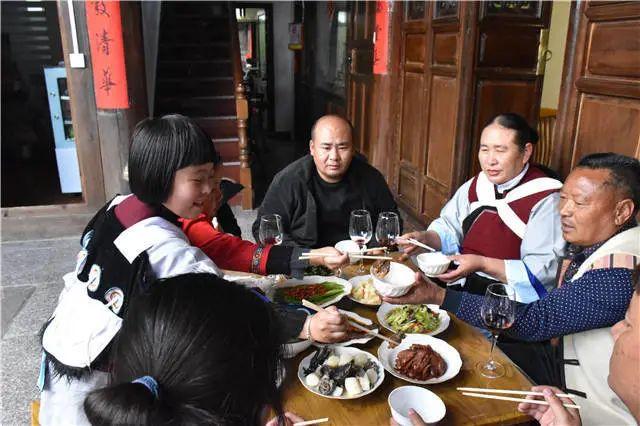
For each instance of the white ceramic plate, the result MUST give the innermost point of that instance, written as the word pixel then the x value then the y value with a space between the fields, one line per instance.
pixel 385 308
pixel 355 283
pixel 360 341
pixel 450 355
pixel 313 279
pixel 338 351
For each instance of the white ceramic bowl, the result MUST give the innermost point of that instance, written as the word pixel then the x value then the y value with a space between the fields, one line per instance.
pixel 396 283
pixel 434 263
pixel 348 246
pixel 424 402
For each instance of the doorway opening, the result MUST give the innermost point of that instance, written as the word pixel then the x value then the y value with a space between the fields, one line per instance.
pixel 39 161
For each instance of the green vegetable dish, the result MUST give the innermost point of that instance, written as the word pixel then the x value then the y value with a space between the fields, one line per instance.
pixel 413 319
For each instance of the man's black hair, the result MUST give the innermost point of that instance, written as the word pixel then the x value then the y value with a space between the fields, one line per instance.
pixel 313 128
pixel 524 132
pixel 161 146
pixel 624 171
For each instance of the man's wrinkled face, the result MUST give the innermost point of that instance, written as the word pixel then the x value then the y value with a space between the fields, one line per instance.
pixel 624 365
pixel 501 159
pixel 331 148
pixel 588 207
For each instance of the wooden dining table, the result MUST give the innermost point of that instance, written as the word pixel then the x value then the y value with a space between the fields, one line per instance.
pixel 373 409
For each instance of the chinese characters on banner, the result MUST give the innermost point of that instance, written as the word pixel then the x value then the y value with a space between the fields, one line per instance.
pixel 381 46
pixel 104 26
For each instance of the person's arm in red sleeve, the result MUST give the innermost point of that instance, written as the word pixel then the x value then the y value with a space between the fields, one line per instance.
pixel 226 250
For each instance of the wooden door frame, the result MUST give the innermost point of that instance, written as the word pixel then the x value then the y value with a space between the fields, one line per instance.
pixel 85 124
pixel 268 8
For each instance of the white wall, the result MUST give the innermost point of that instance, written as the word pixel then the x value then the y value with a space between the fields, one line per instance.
pixel 557 44
pixel 283 66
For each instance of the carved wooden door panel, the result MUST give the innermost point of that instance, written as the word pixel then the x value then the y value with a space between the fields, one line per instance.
pixel 507 77
pixel 360 72
pixel 600 97
pixel 435 71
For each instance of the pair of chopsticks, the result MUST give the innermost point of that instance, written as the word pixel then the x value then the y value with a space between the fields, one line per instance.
pixel 416 243
pixel 304 256
pixel 352 322
pixel 312 422
pixel 488 395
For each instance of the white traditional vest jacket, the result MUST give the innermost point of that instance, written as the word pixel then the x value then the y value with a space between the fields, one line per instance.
pixel 593 349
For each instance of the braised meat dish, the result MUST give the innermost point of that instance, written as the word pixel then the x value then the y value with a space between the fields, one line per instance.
pixel 420 362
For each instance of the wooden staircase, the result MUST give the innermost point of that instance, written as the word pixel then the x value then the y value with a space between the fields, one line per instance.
pixel 199 75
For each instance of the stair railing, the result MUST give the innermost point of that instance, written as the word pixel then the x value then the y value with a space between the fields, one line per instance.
pixel 242 111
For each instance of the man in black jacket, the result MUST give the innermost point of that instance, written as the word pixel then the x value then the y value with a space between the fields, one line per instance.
pixel 316 194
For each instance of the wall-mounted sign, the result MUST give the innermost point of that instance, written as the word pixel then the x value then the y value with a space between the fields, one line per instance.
pixel 104 26
pixel 381 38
pixel 295 36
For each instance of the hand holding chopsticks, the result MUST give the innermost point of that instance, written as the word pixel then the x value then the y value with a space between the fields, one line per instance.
pixel 352 323
pixel 353 255
pixel 416 243
pixel 487 393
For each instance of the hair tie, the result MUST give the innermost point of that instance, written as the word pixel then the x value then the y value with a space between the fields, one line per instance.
pixel 150 383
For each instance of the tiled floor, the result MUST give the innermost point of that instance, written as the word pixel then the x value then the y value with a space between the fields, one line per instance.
pixel 34 259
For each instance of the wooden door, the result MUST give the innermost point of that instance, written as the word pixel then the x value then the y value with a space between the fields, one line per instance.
pixel 506 63
pixel 360 73
pixel 432 104
pixel 460 64
pixel 600 96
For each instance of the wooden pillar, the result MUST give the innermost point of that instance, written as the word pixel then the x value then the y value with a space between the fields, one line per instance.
pixel 103 135
pixel 116 125
pixel 83 106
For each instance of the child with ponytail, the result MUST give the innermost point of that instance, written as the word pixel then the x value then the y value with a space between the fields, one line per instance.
pixel 220 364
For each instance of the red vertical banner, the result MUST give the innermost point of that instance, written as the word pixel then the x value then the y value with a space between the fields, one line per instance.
pixel 104 25
pixel 381 44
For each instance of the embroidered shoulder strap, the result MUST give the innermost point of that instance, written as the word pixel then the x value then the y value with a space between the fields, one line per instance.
pixel 487 197
pixel 623 249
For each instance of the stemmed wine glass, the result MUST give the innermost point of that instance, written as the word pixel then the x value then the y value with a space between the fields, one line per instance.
pixel 360 231
pixel 498 313
pixel 270 229
pixel 271 233
pixel 387 228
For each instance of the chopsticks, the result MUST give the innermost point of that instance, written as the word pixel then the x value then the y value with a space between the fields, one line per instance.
pixel 515 392
pixel 417 243
pixel 312 422
pixel 305 256
pixel 352 323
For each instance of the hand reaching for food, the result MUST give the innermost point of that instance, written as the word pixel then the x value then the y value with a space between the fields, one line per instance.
pixel 328 326
pixel 332 259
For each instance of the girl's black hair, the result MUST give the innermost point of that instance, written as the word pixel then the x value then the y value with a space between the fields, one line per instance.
pixel 212 347
pixel 524 133
pixel 161 146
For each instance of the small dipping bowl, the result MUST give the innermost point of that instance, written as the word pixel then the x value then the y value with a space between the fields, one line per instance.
pixel 396 283
pixel 424 402
pixel 348 246
pixel 434 263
